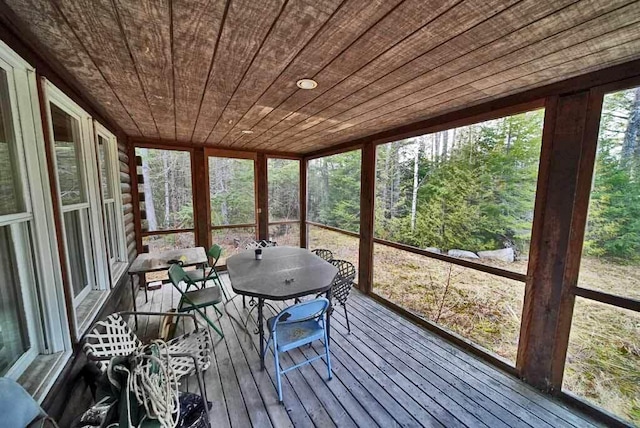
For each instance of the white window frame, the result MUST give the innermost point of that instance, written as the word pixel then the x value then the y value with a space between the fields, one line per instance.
pixel 118 263
pixel 44 302
pixel 90 176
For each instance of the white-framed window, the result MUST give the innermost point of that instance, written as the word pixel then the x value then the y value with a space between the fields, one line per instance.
pixel 107 147
pixel 76 175
pixel 32 314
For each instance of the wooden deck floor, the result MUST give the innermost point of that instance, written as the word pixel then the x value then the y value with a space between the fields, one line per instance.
pixel 388 372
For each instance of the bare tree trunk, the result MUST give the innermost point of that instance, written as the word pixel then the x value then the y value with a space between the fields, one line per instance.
pixel 414 195
pixel 631 146
pixel 165 175
pixel 445 144
pixel 148 193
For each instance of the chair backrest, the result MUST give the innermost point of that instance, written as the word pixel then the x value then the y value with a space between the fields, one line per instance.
pixel 343 281
pixel 178 275
pixel 260 244
pixel 304 311
pixel 323 254
pixel 110 338
pixel 215 252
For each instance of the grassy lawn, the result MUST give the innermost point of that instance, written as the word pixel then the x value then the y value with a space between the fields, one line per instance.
pixel 603 361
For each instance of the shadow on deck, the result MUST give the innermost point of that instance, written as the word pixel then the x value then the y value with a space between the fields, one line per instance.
pixel 387 372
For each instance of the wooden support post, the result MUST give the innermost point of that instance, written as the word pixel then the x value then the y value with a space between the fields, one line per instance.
pixel 367 200
pixel 564 181
pixel 262 196
pixel 135 196
pixel 304 238
pixel 202 209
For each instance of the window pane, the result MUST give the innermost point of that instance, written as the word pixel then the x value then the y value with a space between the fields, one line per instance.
pixel 10 188
pixel 105 167
pixel 284 189
pixel 168 196
pixel 14 339
pixel 343 246
pixel 112 237
pixel 479 306
pixel 232 191
pixel 66 133
pixel 285 234
pixel 75 249
pixel 467 192
pixel 171 241
pixel 603 358
pixel 611 254
pixel 334 190
pixel 232 240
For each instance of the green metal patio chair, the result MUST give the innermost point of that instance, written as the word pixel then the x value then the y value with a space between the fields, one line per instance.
pixel 202 276
pixel 196 300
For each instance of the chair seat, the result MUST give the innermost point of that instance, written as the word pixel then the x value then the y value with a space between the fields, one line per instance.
pixel 201 298
pixel 197 275
pixel 196 343
pixel 294 335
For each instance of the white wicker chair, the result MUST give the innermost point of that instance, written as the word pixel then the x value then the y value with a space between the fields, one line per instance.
pixel 190 353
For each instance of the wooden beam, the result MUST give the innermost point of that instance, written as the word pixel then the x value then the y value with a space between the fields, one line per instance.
pixel 202 209
pixel 568 152
pixel 262 198
pixel 367 221
pixel 135 196
pixel 304 236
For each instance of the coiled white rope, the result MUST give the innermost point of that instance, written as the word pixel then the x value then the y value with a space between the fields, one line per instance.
pixel 154 384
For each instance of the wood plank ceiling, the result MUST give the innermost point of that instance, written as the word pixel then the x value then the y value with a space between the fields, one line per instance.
pixel 203 71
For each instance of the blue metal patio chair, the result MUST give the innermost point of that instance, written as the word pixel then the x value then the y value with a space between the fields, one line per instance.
pixel 296 326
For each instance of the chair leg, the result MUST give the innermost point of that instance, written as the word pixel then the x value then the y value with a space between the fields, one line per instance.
pixel 347 317
pixel 328 354
pixel 278 374
pixel 244 302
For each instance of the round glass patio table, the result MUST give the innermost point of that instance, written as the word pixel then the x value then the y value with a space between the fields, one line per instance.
pixel 283 273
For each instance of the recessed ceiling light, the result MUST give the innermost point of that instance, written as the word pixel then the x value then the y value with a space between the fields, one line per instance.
pixel 307 84
pixel 247 131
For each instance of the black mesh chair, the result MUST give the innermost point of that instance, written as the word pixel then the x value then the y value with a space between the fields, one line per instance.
pixel 263 243
pixel 342 284
pixel 323 254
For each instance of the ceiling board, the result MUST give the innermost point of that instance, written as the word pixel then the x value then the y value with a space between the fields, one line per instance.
pixel 498 26
pixel 146 26
pixel 519 47
pixel 468 96
pixel 196 27
pixel 351 20
pixel 199 72
pixel 450 23
pixel 297 24
pixel 246 26
pixel 48 26
pixel 409 17
pixel 100 35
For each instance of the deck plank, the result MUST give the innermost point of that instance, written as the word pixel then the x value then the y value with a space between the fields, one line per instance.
pixel 498 403
pixel 387 372
pixel 551 410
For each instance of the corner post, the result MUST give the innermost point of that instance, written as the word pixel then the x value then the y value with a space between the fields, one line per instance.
pixel 202 210
pixel 304 238
pixel 262 188
pixel 564 182
pixel 367 201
